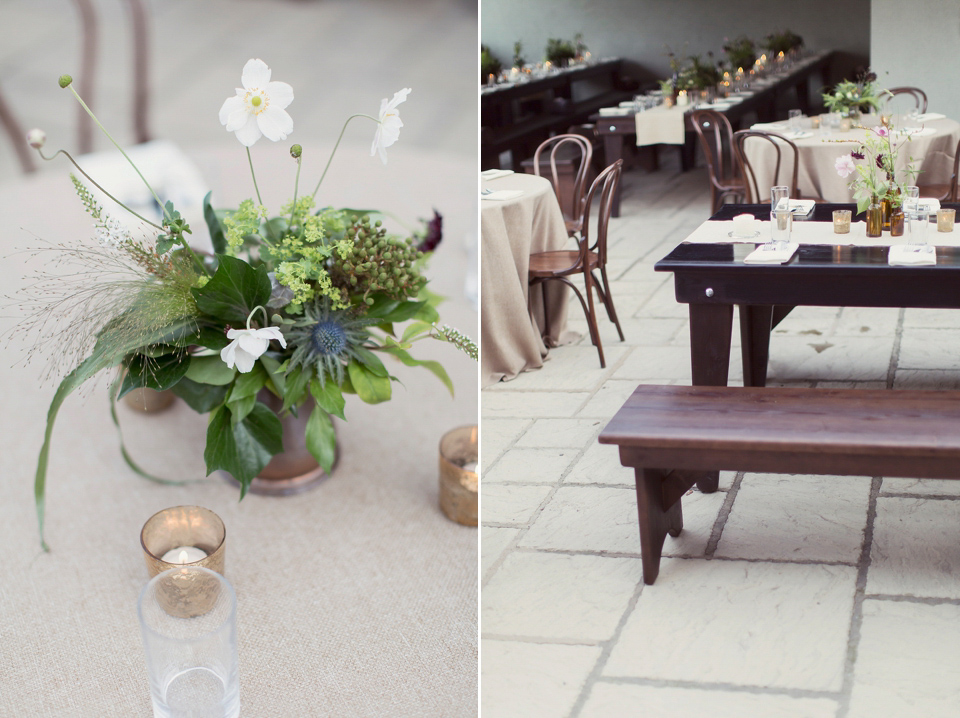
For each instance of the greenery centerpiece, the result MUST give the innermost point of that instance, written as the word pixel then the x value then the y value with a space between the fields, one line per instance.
pixel 489 65
pixel 305 304
pixel 741 53
pixel 850 98
pixel 782 41
pixel 518 59
pixel 559 52
pixel 695 74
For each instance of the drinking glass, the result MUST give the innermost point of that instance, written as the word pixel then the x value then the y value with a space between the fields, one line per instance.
pixel 910 200
pixel 188 620
pixel 793 121
pixel 779 198
pixel 919 221
pixel 781 224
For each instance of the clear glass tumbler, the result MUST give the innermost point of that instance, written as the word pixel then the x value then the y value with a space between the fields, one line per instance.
pixel 188 619
pixel 781 224
pixel 779 198
pixel 794 119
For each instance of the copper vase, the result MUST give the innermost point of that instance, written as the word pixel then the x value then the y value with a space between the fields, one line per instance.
pixel 294 470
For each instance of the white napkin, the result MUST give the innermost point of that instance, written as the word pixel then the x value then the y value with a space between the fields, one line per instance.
pixel 912 254
pixel 929 204
pixel 502 194
pixel 768 254
pixel 612 111
pixel 930 117
pixel 495 174
pixel 801 207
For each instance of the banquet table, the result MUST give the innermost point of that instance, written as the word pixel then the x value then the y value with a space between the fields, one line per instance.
pixel 515 332
pixel 357 598
pixel 932 150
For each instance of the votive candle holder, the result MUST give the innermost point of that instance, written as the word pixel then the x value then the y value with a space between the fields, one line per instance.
pixel 458 475
pixel 183 527
pixel 841 221
pixel 945 219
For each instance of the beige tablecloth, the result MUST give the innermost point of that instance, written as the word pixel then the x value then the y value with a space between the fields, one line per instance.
pixel 358 598
pixel 932 154
pixel 511 231
pixel 661 125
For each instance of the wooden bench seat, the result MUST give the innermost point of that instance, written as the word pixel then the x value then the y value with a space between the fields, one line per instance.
pixel 670 435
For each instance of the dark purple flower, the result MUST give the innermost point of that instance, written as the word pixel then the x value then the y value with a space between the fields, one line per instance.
pixel 857 154
pixel 434 233
pixel 880 161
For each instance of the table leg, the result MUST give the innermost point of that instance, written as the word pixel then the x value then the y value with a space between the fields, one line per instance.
pixel 710 330
pixel 613 151
pixel 655 520
pixel 688 152
pixel 756 321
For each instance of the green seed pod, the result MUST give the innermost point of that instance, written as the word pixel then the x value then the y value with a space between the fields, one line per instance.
pixel 296 151
pixel 65 81
pixel 368 301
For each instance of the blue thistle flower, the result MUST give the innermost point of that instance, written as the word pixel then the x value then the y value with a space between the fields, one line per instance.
pixel 327 339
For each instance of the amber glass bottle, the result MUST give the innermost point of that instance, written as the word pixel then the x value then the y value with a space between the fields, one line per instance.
pixel 874 219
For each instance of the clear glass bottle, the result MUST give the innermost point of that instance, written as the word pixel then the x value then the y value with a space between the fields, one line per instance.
pixel 874 219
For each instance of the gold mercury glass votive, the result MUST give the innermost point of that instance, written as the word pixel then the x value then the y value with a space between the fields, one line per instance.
pixel 458 475
pixel 945 218
pixel 183 529
pixel 841 221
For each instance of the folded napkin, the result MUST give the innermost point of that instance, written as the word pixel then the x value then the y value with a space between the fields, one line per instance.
pixel 502 194
pixel 801 207
pixel 613 111
pixel 930 204
pixel 495 174
pixel 775 126
pixel 771 254
pixel 627 103
pixel 912 254
pixel 930 117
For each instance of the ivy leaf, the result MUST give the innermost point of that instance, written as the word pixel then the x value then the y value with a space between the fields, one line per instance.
pixel 370 388
pixel 297 381
pixel 274 374
pixel 329 397
pixel 213 224
pixel 241 408
pixel 164 243
pixel 432 366
pixel 371 361
pixel 321 439
pixel 244 448
pixel 210 338
pixel 202 398
pixel 235 289
pixel 159 374
pixel 210 370
pixel 249 384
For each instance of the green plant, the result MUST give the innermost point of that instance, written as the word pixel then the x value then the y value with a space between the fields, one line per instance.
pixel 861 95
pixel 742 53
pixel 489 65
pixel 559 52
pixel 875 176
pixel 698 74
pixel 518 60
pixel 783 41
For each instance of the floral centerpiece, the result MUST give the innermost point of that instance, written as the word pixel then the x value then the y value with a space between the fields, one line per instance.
pixel 783 42
pixel 489 65
pixel 302 305
pixel 874 168
pixel 742 53
pixel 518 59
pixel 559 52
pixel 851 98
pixel 697 74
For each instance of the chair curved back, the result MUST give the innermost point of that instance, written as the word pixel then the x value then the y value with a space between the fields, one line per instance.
pixel 781 146
pixel 570 197
pixel 604 189
pixel 918 95
pixel 716 139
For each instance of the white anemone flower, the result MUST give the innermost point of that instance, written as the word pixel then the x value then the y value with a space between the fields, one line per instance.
pixel 389 124
pixel 259 106
pixel 248 345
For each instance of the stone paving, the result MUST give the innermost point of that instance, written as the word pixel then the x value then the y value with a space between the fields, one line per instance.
pixel 773 601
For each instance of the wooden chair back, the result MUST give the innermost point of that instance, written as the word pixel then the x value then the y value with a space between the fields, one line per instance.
pixel 563 149
pixel 918 95
pixel 716 138
pixel 783 148
pixel 603 189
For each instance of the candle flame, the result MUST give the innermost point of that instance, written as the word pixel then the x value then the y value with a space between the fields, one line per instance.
pixel 183 557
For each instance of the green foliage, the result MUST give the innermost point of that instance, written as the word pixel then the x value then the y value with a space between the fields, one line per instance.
pixel 242 223
pixel 518 60
pixel 783 41
pixel 742 53
pixel 234 291
pixel 489 64
pixel 559 52
pixel 321 439
pixel 861 95
pixel 243 448
pixel 217 237
pixel 159 374
pixel 369 387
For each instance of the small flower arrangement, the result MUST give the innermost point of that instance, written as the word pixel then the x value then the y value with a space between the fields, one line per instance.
pixel 559 52
pixel 783 41
pixel 305 304
pixel 489 65
pixel 697 74
pixel 851 98
pixel 742 53
pixel 518 59
pixel 873 165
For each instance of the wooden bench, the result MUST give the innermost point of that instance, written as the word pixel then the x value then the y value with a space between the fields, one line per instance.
pixel 670 435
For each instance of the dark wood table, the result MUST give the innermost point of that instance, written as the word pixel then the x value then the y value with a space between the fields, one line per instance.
pixel 712 278
pixel 763 103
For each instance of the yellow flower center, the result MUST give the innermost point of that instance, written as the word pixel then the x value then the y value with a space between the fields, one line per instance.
pixel 256 101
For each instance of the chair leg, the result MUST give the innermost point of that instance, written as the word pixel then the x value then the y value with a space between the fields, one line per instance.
pixel 592 316
pixel 655 521
pixel 607 298
pixel 545 334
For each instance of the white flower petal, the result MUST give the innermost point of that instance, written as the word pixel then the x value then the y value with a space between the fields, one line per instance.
pixel 280 94
pixel 255 74
pixel 383 154
pixel 376 142
pixel 252 344
pixel 273 333
pixel 275 123
pixel 249 133
pixel 398 97
pixel 229 106
pixel 229 354
pixel 238 118
pixel 245 361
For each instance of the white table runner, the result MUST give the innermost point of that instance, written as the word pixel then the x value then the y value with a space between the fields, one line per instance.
pixel 719 231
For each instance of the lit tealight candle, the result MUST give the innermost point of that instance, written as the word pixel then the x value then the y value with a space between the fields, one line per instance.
pixel 744 225
pixel 184 554
pixel 470 466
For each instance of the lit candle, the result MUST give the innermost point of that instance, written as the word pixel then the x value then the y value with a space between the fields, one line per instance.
pixel 470 466
pixel 743 225
pixel 184 554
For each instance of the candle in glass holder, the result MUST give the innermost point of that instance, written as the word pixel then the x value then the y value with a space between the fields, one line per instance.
pixel 458 475
pixel 845 124
pixel 945 218
pixel 841 221
pixel 192 533
pixel 184 554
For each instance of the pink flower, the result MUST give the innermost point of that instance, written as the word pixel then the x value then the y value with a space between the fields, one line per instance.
pixel 844 165
pixel 882 131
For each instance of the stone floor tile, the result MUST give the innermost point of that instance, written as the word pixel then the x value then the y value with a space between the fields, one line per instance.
pixel 496 435
pixel 867 322
pixel 774 625
pixel 531 404
pixel 532 680
pixel 851 384
pixel 556 596
pixel 493 542
pixel 931 318
pixel 600 464
pixel 531 466
pixel 699 515
pixel 560 433
pixel 810 322
pixel 587 518
pixel 636 332
pixel 612 699
pixel 795 358
pixel 914 550
pixel 608 399
pixel 907 661
pixel 510 503
pixel 663 303
pixel 647 363
pixel 794 518
pixel 929 348
pixel 928 379
pixel 925 487
pixel 568 368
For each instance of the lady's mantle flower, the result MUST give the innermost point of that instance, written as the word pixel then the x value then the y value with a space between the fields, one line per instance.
pixel 844 165
pixel 258 107
pixel 248 345
pixel 388 128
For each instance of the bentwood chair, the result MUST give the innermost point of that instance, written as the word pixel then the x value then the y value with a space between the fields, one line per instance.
pixel 944 191
pixel 588 258
pixel 918 95
pixel 783 149
pixel 716 139
pixel 566 153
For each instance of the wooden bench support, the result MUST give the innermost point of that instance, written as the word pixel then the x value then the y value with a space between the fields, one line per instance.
pixel 846 432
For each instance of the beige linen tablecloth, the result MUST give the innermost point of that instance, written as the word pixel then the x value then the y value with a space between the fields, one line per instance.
pixel 932 154
pixel 358 598
pixel 511 231
pixel 661 125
